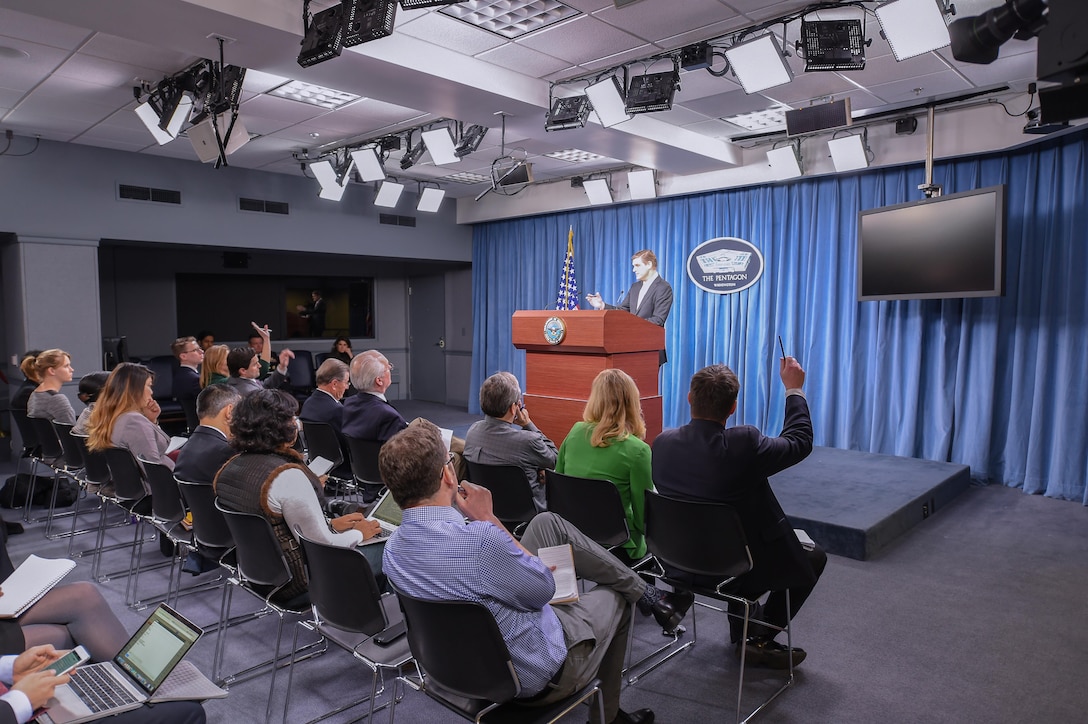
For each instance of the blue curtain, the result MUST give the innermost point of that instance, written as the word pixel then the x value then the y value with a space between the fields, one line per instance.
pixel 999 384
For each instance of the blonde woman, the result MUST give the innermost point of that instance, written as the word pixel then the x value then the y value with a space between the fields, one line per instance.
pixel 214 368
pixel 125 416
pixel 54 368
pixel 608 444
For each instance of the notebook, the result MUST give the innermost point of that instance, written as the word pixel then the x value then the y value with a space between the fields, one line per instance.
pixel 34 578
pixel 132 678
pixel 387 513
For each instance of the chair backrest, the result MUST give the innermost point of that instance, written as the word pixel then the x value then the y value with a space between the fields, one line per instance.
pixel 321 439
pixel 96 469
pixel 260 558
pixel 162 388
pixel 320 358
pixel 669 526
pixel 300 371
pixel 47 438
pixel 591 505
pixel 511 497
pixel 209 526
pixel 439 635
pixel 167 507
pixel 342 588
pixel 26 430
pixel 128 478
pixel 364 459
pixel 73 453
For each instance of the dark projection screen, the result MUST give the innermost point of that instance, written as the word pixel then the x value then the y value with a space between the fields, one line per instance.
pixel 951 246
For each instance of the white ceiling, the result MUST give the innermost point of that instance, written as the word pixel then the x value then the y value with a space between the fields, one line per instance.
pixel 72 80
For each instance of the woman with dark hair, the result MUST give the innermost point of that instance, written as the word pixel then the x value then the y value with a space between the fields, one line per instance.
pixel 607 444
pixel 269 478
pixel 90 386
pixel 341 350
pixel 54 368
pixel 126 416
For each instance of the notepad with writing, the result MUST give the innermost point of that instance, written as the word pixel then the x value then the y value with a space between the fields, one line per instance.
pixel 561 560
pixel 30 581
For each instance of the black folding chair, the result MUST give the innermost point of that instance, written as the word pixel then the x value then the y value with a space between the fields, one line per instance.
pixel 363 455
pixel 484 686
pixel 511 496
pixel 591 505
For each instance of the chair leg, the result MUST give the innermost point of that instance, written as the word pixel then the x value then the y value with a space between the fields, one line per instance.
pixel 655 658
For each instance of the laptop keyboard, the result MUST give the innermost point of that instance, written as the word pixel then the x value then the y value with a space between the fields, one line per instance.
pixel 98 689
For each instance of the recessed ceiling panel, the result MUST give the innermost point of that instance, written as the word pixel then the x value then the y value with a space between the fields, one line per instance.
pixel 581 40
pixel 653 22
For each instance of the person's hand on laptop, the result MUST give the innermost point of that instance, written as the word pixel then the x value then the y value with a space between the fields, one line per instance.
pixel 33 679
pixel 356 521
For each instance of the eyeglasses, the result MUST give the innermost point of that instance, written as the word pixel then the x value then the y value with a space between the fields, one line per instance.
pixel 194 349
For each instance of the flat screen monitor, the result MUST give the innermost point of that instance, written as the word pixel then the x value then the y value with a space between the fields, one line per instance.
pixel 946 247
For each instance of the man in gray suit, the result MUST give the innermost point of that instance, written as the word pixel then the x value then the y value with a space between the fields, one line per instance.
pixel 650 297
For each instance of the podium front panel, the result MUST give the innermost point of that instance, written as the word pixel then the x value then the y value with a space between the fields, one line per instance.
pixel 555 416
pixel 572 375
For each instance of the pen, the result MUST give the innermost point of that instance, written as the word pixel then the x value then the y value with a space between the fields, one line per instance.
pixel 781 347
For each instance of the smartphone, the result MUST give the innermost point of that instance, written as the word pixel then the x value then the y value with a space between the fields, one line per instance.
pixel 781 347
pixel 76 657
pixel 319 466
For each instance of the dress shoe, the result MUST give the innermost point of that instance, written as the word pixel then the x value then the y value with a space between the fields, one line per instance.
pixel 642 716
pixel 770 654
pixel 666 613
pixel 683 601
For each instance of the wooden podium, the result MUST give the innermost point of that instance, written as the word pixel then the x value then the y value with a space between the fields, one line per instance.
pixel 558 377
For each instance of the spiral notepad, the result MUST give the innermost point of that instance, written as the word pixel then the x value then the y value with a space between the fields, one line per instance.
pixel 30 581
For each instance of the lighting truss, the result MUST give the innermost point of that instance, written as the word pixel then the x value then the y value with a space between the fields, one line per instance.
pixel 567 113
pixel 833 44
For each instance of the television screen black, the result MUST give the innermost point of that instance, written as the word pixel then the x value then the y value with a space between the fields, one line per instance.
pixel 945 247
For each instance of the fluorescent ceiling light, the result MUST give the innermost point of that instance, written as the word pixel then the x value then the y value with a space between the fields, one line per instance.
pixel 466 177
pixel 848 153
pixel 913 27
pixel 430 199
pixel 598 192
pixel 784 162
pixel 759 63
pixel 767 120
pixel 368 164
pixel 332 187
pixel 641 183
pixel 440 144
pixel 607 99
pixel 573 155
pixel 315 95
pixel 510 18
pixel 388 194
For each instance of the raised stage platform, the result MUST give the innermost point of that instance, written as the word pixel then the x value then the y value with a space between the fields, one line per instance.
pixel 854 504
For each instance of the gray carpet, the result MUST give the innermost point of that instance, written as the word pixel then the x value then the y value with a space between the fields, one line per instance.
pixel 971 616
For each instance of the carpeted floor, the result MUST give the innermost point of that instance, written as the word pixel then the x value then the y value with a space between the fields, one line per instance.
pixel 972 616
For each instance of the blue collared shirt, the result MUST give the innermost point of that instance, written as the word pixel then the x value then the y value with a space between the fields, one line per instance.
pixel 436 555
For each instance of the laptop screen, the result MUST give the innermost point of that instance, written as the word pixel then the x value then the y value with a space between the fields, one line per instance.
pixel 387 511
pixel 153 651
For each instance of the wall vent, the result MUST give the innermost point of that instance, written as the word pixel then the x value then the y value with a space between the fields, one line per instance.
pixel 396 220
pixel 145 193
pixel 267 207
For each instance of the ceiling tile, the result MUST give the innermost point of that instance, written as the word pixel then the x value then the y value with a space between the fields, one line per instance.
pixel 156 57
pixel 42 30
pixel 527 61
pixel 100 71
pixel 700 84
pixel 653 21
pixel 581 39
pixel 730 103
pixel 87 102
pixel 451 33
pixel 922 87
pixel 25 73
pixel 808 86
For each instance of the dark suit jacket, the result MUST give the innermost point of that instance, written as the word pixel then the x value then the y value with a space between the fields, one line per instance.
pixel 244 385
pixel 654 308
pixel 200 458
pixel 320 406
pixel 707 462
pixel 186 389
pixel 371 418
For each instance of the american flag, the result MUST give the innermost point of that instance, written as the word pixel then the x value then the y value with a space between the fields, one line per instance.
pixel 568 283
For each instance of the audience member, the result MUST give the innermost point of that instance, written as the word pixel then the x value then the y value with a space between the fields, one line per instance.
pixel 214 369
pixel 269 478
pixel 30 382
pixel 245 371
pixel 608 444
pixel 54 368
pixel 368 415
pixel 205 338
pixel 90 387
pixel 125 415
pixel 341 350
pixel 506 436
pixel 187 377
pixel 209 448
pixel 707 462
pixel 435 554
pixel 260 342
pixel 323 405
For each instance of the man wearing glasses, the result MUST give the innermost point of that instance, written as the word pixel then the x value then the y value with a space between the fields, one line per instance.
pixel 187 378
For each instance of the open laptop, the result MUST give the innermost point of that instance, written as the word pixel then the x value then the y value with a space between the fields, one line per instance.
pixel 387 513
pixel 111 687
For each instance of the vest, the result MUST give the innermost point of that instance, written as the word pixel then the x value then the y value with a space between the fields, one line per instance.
pixel 243 485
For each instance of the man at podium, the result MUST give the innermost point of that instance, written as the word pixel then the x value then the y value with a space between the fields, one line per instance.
pixel 650 297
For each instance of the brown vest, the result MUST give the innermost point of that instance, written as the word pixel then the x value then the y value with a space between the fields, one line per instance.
pixel 243 485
